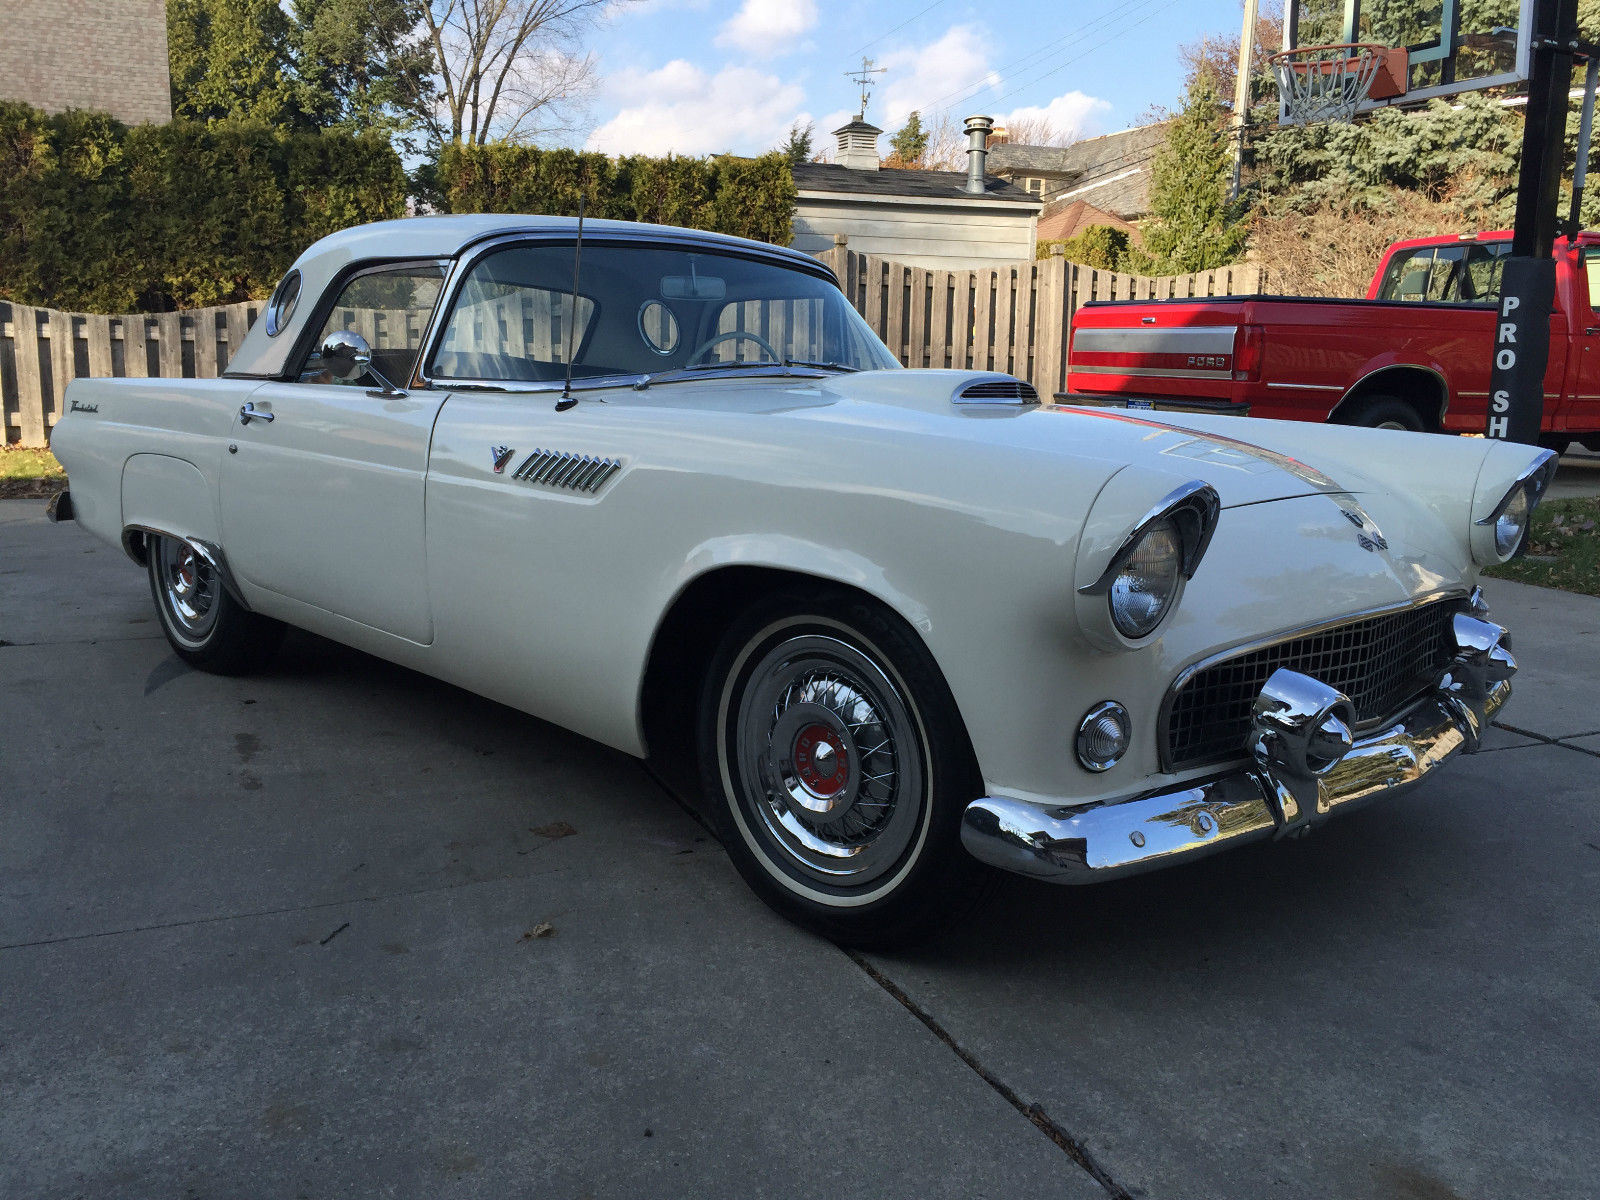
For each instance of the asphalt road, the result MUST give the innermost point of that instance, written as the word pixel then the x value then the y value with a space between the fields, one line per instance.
pixel 280 936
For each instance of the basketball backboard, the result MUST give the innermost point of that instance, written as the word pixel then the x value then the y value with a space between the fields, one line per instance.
pixel 1453 46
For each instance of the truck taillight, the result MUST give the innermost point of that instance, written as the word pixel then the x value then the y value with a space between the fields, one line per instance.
pixel 1247 343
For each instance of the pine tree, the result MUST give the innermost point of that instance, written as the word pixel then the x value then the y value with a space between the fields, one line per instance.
pixel 911 143
pixel 1193 227
pixel 230 58
pixel 798 148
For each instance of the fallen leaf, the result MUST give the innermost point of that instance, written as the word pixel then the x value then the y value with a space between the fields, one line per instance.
pixel 541 930
pixel 556 829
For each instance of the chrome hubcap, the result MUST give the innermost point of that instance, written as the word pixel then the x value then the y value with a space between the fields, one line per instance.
pixel 188 588
pixel 828 762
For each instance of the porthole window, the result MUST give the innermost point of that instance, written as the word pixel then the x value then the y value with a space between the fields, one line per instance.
pixel 658 327
pixel 281 307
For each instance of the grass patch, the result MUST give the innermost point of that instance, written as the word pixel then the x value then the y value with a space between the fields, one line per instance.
pixel 25 473
pixel 1563 549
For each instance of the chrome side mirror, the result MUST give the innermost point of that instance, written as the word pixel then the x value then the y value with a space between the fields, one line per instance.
pixel 345 354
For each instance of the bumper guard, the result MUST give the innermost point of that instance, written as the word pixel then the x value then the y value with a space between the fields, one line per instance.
pixel 1306 765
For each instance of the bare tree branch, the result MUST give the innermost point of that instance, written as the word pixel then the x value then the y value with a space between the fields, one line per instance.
pixel 510 68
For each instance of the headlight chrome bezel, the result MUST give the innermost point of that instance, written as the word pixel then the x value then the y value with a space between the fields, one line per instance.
pixel 1191 510
pixel 1529 487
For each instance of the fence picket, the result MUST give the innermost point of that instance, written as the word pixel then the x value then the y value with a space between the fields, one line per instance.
pixel 30 381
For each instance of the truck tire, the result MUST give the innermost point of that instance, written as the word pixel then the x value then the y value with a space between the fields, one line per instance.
pixel 1384 412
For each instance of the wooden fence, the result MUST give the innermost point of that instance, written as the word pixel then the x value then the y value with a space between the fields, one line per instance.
pixel 1010 317
pixel 42 350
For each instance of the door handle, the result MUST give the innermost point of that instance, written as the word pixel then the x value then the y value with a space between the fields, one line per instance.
pixel 250 412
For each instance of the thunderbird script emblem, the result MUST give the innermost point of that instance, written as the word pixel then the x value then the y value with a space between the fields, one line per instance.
pixel 501 455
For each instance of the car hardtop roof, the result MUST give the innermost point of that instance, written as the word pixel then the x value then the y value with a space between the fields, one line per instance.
pixel 266 356
pixel 444 235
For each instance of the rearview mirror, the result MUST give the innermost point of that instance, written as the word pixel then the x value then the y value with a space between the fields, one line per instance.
pixel 345 354
pixel 693 287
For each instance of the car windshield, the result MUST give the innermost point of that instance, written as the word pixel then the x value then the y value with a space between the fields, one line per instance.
pixel 643 310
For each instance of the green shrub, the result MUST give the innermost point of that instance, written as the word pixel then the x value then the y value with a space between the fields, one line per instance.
pixel 747 197
pixel 1104 247
pixel 99 217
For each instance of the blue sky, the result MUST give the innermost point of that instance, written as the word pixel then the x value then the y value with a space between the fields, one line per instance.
pixel 703 76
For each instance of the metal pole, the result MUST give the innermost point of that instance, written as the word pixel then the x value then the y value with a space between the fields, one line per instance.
pixel 1241 93
pixel 1521 347
pixel 1580 171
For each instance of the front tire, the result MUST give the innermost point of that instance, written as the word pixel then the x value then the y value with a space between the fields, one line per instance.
pixel 838 770
pixel 205 626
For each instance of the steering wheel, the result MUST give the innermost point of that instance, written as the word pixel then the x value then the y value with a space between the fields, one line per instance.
pixel 734 335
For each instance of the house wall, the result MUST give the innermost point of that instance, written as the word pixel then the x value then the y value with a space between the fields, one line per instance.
pixel 921 234
pixel 109 55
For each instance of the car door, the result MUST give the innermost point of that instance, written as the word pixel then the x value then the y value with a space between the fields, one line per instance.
pixel 322 487
pixel 1582 410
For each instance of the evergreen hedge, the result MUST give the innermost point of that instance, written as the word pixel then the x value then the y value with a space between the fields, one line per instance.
pixel 96 216
pixel 747 197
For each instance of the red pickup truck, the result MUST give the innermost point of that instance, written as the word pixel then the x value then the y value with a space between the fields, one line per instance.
pixel 1414 354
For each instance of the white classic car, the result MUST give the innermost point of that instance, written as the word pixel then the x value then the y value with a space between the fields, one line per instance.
pixel 668 490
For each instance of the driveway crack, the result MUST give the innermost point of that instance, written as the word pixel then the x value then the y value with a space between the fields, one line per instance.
pixel 1072 1147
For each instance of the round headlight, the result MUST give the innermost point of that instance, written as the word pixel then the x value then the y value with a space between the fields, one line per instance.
pixel 1511 524
pixel 1144 588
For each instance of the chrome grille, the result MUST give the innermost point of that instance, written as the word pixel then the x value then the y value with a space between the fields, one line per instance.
pixel 1380 662
pixel 998 390
pixel 562 469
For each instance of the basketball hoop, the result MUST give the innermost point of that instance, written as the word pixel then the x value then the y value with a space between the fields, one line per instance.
pixel 1328 83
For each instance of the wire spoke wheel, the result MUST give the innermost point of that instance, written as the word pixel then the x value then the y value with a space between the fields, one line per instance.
pixel 187 590
pixel 828 760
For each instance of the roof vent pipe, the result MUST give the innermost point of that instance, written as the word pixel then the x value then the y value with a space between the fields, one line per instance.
pixel 977 131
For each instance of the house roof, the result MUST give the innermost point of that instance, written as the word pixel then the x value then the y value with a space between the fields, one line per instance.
pixel 920 185
pixel 1112 172
pixel 1069 218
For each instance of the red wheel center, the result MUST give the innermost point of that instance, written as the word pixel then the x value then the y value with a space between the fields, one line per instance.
pixel 186 570
pixel 820 760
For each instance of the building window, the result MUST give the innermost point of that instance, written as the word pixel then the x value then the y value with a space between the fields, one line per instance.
pixel 1034 187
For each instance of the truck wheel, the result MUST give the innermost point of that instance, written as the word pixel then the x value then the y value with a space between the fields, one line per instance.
pixel 205 626
pixel 1384 412
pixel 838 769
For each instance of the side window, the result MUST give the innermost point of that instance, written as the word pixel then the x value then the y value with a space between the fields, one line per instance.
pixel 1481 284
pixel 1591 272
pixel 389 307
pixel 1466 273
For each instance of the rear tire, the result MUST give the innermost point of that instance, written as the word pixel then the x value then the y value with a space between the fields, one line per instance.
pixel 1384 412
pixel 838 770
pixel 205 626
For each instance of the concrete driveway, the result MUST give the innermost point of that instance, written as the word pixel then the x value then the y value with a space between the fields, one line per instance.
pixel 281 936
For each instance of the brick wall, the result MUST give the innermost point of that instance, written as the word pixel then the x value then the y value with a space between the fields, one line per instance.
pixel 109 55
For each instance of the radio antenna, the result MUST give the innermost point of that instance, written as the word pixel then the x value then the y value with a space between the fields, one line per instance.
pixel 566 400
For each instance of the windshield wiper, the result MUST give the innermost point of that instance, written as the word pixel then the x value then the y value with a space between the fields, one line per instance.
pixel 821 366
pixel 673 374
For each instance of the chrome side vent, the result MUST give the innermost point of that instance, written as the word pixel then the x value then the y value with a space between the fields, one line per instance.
pixel 562 469
pixel 996 389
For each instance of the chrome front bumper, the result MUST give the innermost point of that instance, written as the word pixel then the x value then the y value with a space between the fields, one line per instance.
pixel 1306 765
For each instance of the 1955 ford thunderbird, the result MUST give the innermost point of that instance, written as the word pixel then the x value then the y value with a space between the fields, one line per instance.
pixel 667 489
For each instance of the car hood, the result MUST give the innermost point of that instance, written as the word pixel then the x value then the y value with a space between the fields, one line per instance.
pixel 1244 467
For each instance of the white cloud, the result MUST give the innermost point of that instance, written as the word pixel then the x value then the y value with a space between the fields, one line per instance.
pixel 681 109
pixel 1071 114
pixel 934 77
pixel 767 28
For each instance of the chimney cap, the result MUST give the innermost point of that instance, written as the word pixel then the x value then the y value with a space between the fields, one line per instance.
pixel 857 125
pixel 977 122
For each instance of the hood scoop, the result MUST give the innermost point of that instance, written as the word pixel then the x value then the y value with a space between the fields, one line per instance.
pixel 995 389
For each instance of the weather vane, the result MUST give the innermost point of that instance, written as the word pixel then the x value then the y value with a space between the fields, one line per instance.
pixel 864 78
